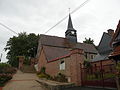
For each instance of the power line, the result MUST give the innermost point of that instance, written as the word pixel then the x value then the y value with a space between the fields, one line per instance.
pixel 81 5
pixel 8 28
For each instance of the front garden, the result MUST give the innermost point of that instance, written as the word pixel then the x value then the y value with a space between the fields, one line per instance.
pixel 6 73
pixel 59 77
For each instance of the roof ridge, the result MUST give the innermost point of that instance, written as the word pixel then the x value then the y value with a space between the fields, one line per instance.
pixel 52 36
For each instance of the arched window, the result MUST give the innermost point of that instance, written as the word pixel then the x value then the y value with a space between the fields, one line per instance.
pixel 62 65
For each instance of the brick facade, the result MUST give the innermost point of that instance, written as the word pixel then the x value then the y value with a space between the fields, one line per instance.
pixel 103 62
pixel 72 65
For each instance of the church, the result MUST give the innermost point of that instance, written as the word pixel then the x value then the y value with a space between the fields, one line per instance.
pixel 64 54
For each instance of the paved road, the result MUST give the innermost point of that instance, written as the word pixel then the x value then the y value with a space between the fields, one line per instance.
pixel 87 88
pixel 23 81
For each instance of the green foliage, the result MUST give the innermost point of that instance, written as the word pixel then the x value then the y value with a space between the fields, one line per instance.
pixel 89 41
pixel 60 78
pixel 98 76
pixel 118 67
pixel 6 69
pixel 43 74
pixel 87 64
pixel 3 67
pixel 4 79
pixel 21 45
pixel 26 61
pixel 43 70
pixel 6 72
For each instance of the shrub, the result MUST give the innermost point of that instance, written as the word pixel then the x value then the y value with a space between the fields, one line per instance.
pixel 6 68
pixel 4 78
pixel 6 72
pixel 118 69
pixel 43 74
pixel 43 70
pixel 3 67
pixel 60 78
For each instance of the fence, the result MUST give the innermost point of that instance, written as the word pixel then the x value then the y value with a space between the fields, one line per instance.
pixel 102 76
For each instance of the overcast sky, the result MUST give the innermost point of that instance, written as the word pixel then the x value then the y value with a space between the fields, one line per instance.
pixel 37 16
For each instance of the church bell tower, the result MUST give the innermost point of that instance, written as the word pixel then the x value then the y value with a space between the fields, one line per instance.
pixel 71 33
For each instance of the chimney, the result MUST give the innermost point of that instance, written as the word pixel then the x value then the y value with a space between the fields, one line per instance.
pixel 110 32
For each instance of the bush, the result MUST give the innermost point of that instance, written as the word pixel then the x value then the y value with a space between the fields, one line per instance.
pixel 118 69
pixel 4 78
pixel 43 70
pixel 43 74
pixel 6 68
pixel 6 72
pixel 3 67
pixel 60 78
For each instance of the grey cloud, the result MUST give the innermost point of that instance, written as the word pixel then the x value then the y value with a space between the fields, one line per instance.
pixel 37 16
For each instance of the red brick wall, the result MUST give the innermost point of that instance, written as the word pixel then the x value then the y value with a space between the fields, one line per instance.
pixel 76 60
pixel 104 62
pixel 41 60
pixel 72 65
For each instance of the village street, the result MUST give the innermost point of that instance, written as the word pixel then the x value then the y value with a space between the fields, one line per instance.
pixel 26 81
pixel 23 81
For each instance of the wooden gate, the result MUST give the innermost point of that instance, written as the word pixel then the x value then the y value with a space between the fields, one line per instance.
pixel 101 76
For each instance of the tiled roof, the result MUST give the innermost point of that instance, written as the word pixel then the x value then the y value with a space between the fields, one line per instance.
pixel 55 47
pixel 64 43
pixel 54 52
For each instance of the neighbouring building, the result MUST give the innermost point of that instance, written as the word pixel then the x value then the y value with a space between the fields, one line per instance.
pixel 115 55
pixel 115 43
pixel 104 49
pixel 64 55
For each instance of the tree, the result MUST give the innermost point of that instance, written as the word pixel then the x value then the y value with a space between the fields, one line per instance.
pixel 89 41
pixel 21 45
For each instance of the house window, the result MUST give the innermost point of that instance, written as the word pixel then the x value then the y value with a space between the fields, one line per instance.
pixel 62 65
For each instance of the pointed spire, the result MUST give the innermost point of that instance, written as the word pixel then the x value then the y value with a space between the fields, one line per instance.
pixel 70 25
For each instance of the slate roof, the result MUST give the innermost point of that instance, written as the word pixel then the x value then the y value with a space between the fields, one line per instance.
pixel 64 43
pixel 70 25
pixel 104 48
pixel 54 46
pixel 104 45
pixel 54 52
pixel 100 57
